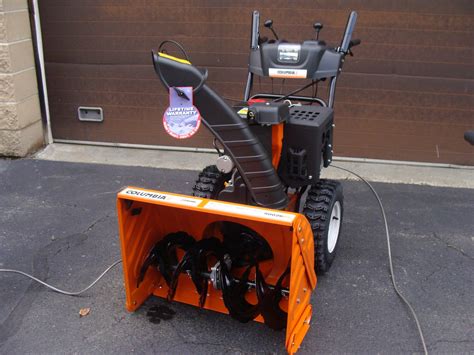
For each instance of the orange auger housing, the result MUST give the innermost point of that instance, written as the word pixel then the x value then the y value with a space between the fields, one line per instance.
pixel 146 217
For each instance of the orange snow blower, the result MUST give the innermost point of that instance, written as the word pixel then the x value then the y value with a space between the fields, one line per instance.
pixel 261 222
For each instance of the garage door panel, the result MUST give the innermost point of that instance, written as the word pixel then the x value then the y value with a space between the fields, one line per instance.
pixel 407 84
pixel 212 59
pixel 231 46
pixel 220 31
pixel 401 153
pixel 125 131
pixel 370 140
pixel 394 137
pixel 210 14
pixel 410 85
pixel 435 7
pixel 405 128
pixel 369 96
pixel 239 46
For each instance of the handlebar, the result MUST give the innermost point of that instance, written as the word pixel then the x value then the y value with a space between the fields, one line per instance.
pixel 346 44
pixel 346 40
pixel 255 30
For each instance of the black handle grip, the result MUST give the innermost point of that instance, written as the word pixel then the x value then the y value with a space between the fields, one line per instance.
pixel 469 137
pixel 318 26
pixel 354 42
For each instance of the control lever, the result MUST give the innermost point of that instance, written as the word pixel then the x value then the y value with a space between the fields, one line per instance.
pixel 353 43
pixel 269 24
pixel 317 27
pixel 469 137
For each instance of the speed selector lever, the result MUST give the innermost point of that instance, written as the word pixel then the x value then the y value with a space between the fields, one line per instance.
pixel 318 27
pixel 269 24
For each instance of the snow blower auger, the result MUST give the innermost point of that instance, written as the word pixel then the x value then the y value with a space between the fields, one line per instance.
pixel 261 223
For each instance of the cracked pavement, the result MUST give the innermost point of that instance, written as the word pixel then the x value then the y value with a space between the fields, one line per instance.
pixel 58 222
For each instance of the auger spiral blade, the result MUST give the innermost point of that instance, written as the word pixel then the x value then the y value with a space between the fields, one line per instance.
pixel 269 301
pixel 163 255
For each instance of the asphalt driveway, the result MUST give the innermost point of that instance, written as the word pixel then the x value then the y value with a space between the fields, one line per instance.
pixel 57 221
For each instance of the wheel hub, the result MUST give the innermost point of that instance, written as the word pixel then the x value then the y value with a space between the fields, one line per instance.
pixel 334 226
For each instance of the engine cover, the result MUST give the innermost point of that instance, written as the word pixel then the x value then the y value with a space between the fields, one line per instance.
pixel 307 145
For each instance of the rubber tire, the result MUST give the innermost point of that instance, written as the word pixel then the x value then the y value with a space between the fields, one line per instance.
pixel 317 209
pixel 209 183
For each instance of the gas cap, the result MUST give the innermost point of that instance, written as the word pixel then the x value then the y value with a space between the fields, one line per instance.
pixel 224 164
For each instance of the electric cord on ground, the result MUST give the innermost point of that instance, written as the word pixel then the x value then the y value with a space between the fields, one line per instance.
pixel 389 248
pixel 58 290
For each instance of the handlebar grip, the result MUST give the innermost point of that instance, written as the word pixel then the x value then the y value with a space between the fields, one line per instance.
pixel 469 137
pixel 354 42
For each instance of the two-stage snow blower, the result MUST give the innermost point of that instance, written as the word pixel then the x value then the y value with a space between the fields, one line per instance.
pixel 261 223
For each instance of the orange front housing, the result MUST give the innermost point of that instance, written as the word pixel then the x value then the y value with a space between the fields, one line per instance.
pixel 146 216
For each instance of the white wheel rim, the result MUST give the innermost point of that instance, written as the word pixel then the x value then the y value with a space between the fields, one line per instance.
pixel 334 226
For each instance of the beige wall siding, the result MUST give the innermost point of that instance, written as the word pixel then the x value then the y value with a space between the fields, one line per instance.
pixel 20 117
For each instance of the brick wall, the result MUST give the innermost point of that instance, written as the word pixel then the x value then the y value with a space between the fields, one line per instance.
pixel 21 129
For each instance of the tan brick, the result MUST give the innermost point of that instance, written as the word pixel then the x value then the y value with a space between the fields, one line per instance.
pixel 21 128
pixel 17 116
pixel 17 25
pixel 21 55
pixel 19 143
pixel 16 56
pixel 25 84
pixel 7 88
pixel 10 143
pixel 8 116
pixel 13 5
pixel 29 111
pixel 19 86
pixel 3 28
pixel 32 137
pixel 5 61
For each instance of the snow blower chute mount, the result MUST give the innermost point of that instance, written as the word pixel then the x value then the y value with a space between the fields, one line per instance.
pixel 261 223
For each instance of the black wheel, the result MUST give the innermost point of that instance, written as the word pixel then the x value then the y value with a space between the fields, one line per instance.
pixel 324 210
pixel 209 183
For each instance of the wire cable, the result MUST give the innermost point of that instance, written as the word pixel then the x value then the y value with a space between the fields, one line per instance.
pixel 313 82
pixel 58 290
pixel 389 248
pixel 177 44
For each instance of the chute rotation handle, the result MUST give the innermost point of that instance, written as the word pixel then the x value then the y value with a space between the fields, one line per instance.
pixel 156 63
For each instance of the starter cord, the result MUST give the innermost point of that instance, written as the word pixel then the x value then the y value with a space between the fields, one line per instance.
pixel 389 248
